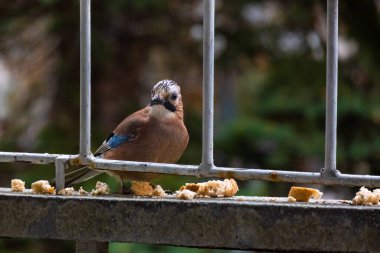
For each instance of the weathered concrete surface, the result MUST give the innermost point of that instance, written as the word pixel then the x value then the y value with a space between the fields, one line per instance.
pixel 240 223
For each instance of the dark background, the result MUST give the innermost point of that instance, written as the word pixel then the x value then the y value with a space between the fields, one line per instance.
pixel 269 76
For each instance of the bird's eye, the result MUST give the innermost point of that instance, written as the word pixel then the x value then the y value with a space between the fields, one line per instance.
pixel 174 96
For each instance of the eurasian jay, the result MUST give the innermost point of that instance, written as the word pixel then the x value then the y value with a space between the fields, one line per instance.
pixel 155 133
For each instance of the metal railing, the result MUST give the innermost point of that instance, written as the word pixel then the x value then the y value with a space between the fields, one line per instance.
pixel 328 175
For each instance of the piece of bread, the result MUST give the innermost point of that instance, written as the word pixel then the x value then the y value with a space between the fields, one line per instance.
pixel 17 185
pixel 82 191
pixel 366 197
pixel 185 194
pixel 158 192
pixel 42 186
pixel 101 189
pixel 141 188
pixel 212 188
pixel 68 191
pixel 303 194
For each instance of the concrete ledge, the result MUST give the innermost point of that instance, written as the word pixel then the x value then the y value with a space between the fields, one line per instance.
pixel 238 223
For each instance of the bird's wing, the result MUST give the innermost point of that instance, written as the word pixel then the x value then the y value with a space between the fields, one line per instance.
pixel 113 141
pixel 126 131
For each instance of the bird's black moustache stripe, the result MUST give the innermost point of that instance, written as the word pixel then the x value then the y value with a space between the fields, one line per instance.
pixel 166 104
pixel 156 102
pixel 169 106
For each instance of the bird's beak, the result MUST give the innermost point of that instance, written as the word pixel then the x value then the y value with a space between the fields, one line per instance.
pixel 156 101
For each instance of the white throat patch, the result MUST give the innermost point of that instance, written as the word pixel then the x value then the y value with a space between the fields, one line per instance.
pixel 161 113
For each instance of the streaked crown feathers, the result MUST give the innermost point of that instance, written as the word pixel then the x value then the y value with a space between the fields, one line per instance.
pixel 165 86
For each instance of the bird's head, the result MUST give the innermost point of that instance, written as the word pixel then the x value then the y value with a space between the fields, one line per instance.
pixel 167 93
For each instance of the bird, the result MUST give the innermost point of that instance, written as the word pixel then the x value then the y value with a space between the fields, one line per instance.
pixel 156 133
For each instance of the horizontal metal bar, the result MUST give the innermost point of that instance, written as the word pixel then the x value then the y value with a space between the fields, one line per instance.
pixel 162 168
pixel 35 158
pixel 238 173
pixel 248 223
pixel 192 170
pixel 296 177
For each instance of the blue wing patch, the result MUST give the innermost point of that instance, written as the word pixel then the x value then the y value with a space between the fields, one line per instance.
pixel 117 140
pixel 113 141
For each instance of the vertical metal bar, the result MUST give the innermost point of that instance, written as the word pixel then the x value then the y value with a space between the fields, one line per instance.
pixel 331 89
pixel 85 78
pixel 60 167
pixel 208 87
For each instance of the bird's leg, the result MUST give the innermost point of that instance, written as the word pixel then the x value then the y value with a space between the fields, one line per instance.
pixel 124 189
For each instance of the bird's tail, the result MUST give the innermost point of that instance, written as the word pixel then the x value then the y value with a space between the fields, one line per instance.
pixel 77 176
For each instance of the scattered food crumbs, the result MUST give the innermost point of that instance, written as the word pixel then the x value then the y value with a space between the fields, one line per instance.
pixel 42 186
pixel 82 191
pixel 377 193
pixel 159 192
pixel 68 191
pixel 213 188
pixel 291 199
pixel 303 194
pixel 185 194
pixel 366 197
pixel 101 189
pixel 141 188
pixel 17 185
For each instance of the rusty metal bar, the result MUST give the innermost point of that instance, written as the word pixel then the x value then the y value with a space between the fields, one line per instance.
pixel 22 157
pixel 237 173
pixel 192 170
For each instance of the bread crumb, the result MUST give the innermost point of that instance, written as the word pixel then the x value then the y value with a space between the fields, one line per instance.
pixel 212 188
pixel 377 193
pixel 82 191
pixel 303 194
pixel 185 194
pixel 42 186
pixel 366 197
pixel 291 199
pixel 158 192
pixel 101 189
pixel 17 185
pixel 68 191
pixel 231 187
pixel 191 187
pixel 141 188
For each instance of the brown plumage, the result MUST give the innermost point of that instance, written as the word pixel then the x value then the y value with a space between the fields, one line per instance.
pixel 160 140
pixel 154 134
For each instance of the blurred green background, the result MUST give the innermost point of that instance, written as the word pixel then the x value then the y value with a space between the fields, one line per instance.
pixel 269 75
